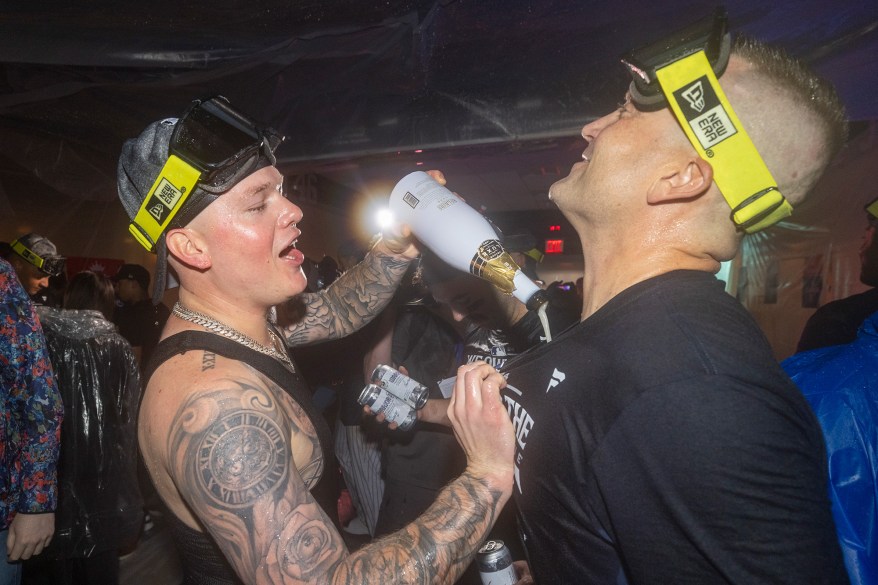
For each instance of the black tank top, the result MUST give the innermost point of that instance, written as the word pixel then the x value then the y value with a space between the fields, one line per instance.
pixel 203 562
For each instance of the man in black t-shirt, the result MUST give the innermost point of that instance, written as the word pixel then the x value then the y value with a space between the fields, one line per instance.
pixel 498 327
pixel 140 322
pixel 138 319
pixel 837 322
pixel 658 441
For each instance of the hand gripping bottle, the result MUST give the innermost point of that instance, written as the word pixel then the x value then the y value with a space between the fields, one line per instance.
pixel 460 235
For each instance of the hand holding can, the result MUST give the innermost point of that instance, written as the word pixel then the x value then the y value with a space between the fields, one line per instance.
pixel 394 410
pixel 495 564
pixel 401 386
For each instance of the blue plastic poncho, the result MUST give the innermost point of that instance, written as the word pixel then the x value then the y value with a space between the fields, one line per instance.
pixel 841 384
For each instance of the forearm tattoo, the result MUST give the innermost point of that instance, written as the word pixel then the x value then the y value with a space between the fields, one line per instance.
pixel 437 547
pixel 350 302
pixel 245 456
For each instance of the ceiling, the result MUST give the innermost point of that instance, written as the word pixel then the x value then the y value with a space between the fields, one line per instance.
pixel 491 91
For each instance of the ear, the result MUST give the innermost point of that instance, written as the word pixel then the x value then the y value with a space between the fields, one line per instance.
pixel 188 247
pixel 690 181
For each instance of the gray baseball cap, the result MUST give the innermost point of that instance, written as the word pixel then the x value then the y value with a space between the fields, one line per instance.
pixel 39 251
pixel 140 163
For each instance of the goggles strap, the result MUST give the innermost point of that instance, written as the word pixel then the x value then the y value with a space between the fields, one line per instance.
pixel 28 254
pixel 713 128
pixel 165 199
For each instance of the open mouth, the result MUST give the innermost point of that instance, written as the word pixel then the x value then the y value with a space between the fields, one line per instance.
pixel 290 252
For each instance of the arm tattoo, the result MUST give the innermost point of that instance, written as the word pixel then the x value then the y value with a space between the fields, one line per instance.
pixel 350 302
pixel 233 463
pixel 437 547
pixel 234 466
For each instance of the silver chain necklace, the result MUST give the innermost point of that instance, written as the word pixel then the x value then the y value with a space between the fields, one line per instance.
pixel 211 324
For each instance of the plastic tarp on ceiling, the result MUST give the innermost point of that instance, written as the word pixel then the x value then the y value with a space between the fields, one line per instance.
pixel 349 82
pixel 345 78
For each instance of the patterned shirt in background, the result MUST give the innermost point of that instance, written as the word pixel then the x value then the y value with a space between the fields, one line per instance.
pixel 30 425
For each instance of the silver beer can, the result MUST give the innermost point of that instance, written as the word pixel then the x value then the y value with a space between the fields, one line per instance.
pixel 495 564
pixel 401 386
pixel 394 409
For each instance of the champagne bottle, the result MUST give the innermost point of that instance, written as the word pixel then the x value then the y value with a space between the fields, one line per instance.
pixel 460 235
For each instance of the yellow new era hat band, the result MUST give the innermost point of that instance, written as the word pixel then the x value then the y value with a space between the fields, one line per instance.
pixel 165 199
pixel 713 128
pixel 28 254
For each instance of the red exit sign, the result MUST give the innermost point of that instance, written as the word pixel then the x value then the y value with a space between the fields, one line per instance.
pixel 554 246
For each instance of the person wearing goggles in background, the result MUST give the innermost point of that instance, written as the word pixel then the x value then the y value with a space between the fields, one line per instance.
pixel 35 259
pixel 658 440
pixel 229 434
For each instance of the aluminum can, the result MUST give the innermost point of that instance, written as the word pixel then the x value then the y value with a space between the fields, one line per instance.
pixel 495 564
pixel 401 386
pixel 394 409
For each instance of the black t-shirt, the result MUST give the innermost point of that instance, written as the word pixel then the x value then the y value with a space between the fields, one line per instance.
pixel 659 442
pixel 496 347
pixel 427 455
pixel 141 324
pixel 837 322
pixel 337 365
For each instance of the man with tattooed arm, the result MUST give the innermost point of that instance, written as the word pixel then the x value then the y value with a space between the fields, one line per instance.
pixel 227 428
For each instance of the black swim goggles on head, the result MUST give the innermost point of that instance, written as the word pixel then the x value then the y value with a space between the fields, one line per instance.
pixel 53 265
pixel 212 147
pixel 710 35
pixel 680 72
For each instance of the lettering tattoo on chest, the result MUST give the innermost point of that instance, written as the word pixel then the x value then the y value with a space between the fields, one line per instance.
pixel 208 361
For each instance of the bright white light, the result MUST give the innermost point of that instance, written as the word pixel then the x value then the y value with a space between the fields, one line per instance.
pixel 384 218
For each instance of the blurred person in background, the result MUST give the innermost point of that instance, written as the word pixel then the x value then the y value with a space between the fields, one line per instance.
pixel 100 510
pixel 36 260
pixel 30 430
pixel 840 383
pixel 140 321
pixel 837 322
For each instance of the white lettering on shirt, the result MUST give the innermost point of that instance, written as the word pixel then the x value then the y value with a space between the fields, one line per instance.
pixel 522 423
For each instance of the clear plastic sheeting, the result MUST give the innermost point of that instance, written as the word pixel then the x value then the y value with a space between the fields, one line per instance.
pixel 783 274
pixel 493 92
pixel 344 79
pixel 100 507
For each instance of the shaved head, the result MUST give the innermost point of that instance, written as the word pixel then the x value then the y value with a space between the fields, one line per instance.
pixel 641 177
pixel 795 118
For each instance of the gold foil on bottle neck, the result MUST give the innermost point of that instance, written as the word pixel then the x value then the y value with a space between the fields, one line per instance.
pixel 494 264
